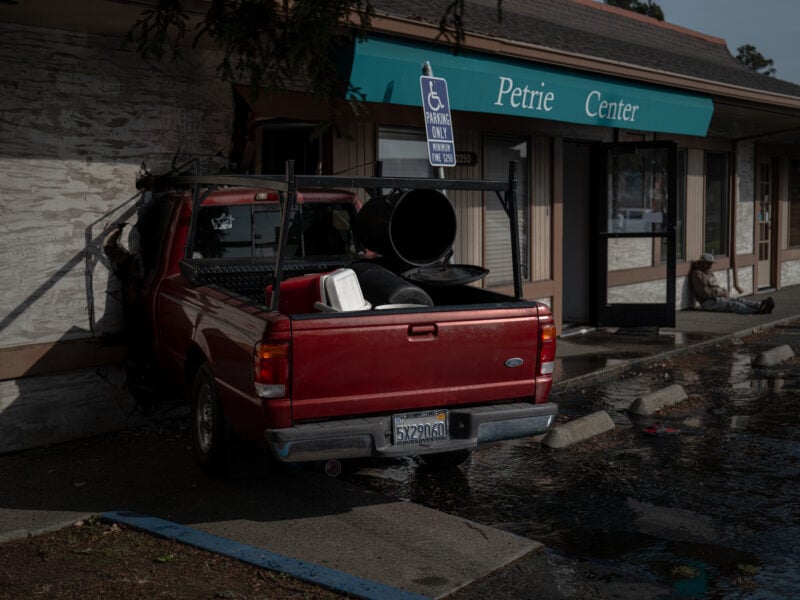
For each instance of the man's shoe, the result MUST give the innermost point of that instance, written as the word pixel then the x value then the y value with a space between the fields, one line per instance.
pixel 766 306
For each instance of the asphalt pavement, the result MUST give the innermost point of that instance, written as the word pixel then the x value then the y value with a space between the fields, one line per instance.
pixel 405 550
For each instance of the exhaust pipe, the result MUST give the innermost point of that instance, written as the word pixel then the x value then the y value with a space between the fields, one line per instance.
pixel 333 468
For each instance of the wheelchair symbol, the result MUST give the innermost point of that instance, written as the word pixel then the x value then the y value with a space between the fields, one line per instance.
pixel 434 102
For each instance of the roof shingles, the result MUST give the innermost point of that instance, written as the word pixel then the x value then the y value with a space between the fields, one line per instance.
pixel 578 27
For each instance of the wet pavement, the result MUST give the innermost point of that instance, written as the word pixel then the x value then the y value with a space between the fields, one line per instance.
pixel 583 353
pixel 709 510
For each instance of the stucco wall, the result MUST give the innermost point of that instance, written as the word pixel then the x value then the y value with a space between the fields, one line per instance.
pixel 78 117
pixel 79 114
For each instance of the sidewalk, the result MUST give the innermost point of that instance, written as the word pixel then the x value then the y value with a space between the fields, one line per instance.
pixel 584 353
pixel 304 515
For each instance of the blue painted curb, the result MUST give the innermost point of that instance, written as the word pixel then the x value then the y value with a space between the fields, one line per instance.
pixel 329 578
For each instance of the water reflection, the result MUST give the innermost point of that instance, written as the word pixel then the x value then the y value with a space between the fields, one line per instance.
pixel 569 367
pixel 711 512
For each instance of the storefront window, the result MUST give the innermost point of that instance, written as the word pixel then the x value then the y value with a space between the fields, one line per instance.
pixel 638 201
pixel 716 206
pixel 404 153
pixel 794 203
pixel 638 190
pixel 282 141
pixel 498 152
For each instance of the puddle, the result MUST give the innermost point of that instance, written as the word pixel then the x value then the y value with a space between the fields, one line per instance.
pixel 645 336
pixel 569 367
pixel 713 512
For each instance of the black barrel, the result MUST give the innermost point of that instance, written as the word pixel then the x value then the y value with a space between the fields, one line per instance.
pixel 380 286
pixel 415 227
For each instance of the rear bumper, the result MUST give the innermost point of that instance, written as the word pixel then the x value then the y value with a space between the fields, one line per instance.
pixel 372 436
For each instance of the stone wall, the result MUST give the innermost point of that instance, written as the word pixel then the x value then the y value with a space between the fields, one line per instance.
pixel 654 292
pixel 790 273
pixel 79 115
pixel 745 196
pixel 645 292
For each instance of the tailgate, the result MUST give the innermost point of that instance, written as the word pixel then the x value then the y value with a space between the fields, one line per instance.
pixel 358 364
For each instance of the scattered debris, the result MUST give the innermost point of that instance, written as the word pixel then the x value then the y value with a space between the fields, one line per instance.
pixel 684 572
pixel 657 429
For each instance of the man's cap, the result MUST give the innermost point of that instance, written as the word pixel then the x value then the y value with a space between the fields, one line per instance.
pixel 707 257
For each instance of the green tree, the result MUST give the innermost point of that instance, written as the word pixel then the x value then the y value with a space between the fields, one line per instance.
pixel 273 44
pixel 645 7
pixel 754 60
pixel 268 43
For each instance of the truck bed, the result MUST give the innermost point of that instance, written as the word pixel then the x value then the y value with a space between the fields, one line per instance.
pixel 250 280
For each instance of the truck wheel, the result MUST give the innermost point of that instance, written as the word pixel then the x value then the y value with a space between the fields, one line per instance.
pixel 445 460
pixel 209 433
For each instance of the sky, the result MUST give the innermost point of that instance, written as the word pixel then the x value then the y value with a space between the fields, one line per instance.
pixel 772 26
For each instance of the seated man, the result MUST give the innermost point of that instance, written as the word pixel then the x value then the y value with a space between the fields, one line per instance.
pixel 712 297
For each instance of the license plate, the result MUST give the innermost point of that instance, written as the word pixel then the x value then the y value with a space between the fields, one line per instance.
pixel 420 427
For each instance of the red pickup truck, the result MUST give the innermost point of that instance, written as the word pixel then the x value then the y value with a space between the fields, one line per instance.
pixel 324 328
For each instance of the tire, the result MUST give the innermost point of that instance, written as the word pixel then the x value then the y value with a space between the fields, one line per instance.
pixel 445 460
pixel 209 431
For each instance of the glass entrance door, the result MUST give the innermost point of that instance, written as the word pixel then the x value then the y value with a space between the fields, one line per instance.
pixel 635 226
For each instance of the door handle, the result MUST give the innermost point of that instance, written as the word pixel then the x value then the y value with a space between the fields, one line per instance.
pixel 422 331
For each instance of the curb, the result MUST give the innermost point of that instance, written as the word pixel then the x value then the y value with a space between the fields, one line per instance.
pixel 16 534
pixel 324 576
pixel 578 430
pixel 647 405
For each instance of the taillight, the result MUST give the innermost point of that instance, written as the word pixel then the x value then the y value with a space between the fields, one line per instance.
pixel 547 348
pixel 271 370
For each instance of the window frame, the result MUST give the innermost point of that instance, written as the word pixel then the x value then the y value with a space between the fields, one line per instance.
pixel 415 134
pixel 681 190
pixel 793 198
pixel 524 208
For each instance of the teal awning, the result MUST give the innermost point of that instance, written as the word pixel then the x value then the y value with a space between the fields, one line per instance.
pixel 387 70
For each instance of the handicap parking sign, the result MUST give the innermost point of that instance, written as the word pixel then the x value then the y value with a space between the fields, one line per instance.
pixel 438 124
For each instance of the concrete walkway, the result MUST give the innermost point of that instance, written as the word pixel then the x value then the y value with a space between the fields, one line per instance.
pixel 292 512
pixel 304 515
pixel 585 353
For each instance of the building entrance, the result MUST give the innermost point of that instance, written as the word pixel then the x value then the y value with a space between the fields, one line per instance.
pixel 576 235
pixel 619 223
pixel 636 187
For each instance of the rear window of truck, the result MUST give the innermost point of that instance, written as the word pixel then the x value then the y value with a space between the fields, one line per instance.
pixel 245 231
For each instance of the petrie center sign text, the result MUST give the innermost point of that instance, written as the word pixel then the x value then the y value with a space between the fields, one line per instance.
pixel 541 99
